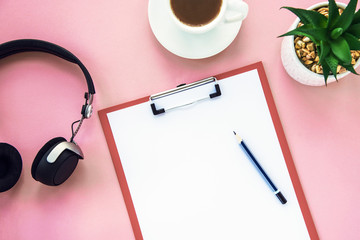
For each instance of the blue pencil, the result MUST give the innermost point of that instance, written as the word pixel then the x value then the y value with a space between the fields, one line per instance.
pixel 272 186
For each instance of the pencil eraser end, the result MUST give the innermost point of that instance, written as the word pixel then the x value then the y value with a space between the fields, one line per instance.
pixel 281 197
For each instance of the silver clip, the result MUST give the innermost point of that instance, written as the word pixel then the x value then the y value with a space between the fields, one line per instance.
pixel 182 88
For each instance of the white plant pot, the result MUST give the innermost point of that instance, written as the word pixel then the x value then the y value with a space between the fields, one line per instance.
pixel 293 65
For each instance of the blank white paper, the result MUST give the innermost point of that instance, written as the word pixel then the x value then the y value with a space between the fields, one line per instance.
pixel 189 178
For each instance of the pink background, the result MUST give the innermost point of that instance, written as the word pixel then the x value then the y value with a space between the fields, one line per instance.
pixel 42 95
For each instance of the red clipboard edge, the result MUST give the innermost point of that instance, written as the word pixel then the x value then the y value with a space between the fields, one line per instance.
pixel 279 132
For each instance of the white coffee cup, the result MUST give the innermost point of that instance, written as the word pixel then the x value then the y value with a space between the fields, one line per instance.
pixel 230 11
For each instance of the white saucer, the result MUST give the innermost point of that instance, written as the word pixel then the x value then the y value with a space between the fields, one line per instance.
pixel 187 45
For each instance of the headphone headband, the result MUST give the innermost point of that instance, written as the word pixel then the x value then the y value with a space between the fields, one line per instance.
pixel 34 45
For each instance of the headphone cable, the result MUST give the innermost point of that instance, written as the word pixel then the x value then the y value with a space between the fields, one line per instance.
pixel 77 128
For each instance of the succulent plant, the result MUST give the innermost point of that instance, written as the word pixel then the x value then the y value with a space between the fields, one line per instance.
pixel 334 36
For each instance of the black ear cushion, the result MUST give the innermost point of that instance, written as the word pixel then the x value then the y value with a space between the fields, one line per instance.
pixel 66 165
pixel 42 152
pixel 10 166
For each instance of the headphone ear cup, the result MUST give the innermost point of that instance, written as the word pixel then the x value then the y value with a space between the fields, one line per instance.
pixel 42 152
pixel 56 172
pixel 10 166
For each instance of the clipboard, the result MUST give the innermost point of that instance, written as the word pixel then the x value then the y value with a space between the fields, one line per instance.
pixel 182 173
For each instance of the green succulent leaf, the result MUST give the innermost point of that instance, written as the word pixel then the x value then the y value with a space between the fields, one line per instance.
pixel 333 14
pixel 350 68
pixel 356 17
pixel 326 71
pixel 332 62
pixel 354 42
pixel 347 16
pixel 315 34
pixel 355 30
pixel 341 50
pixel 324 50
pixel 336 33
pixel 309 16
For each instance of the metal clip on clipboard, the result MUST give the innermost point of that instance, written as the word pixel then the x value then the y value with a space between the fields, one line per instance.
pixel 181 88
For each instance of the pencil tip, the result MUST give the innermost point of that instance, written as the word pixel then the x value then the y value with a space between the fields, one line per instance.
pixel 234 132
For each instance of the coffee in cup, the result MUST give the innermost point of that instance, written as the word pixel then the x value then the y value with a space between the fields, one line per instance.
pixel 196 13
pixel 200 16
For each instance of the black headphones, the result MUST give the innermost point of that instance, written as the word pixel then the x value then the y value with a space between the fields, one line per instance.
pixel 58 158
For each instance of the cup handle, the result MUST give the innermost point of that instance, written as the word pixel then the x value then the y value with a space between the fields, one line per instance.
pixel 236 6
